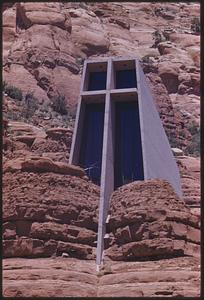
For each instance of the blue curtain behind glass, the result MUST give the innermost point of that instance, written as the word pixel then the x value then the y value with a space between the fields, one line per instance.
pixel 92 141
pixel 97 81
pixel 128 149
pixel 125 79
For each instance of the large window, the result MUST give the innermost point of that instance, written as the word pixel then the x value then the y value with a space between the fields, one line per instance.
pixel 92 141
pixel 128 165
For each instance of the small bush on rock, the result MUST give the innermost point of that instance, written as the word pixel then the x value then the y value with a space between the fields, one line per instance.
pixel 159 37
pixel 173 141
pixel 12 115
pixel 59 104
pixel 12 91
pixel 194 147
pixel 195 25
pixel 29 105
pixel 147 59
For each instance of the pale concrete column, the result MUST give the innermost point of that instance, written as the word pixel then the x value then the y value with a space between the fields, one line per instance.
pixel 85 78
pixel 77 134
pixel 141 118
pixel 107 173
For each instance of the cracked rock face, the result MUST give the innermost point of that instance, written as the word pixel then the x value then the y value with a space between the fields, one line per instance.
pixel 178 277
pixel 148 221
pixel 49 214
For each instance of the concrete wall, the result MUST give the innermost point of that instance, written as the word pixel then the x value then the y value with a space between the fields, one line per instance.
pixel 158 158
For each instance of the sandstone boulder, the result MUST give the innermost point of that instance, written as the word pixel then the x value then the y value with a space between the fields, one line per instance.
pixel 75 250
pixel 185 40
pixel 88 32
pixel 25 247
pixel 43 13
pixel 147 219
pixel 48 209
pixel 42 164
pixel 41 145
pixel 31 83
pixel 194 52
pixel 169 76
pixel 9 231
pixel 26 139
pixel 62 232
pixel 9 29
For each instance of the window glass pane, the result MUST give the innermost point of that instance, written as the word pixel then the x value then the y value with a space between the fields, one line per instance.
pixel 128 149
pixel 97 81
pixel 92 141
pixel 125 79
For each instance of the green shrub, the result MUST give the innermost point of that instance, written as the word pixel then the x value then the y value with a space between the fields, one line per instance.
pixel 158 37
pixel 194 147
pixel 173 141
pixel 59 104
pixel 30 105
pixel 193 127
pixel 12 91
pixel 195 25
pixel 12 115
pixel 4 84
pixel 79 61
pixel 147 59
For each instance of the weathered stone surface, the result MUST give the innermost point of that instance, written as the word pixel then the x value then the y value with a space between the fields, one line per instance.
pixel 190 179
pixel 153 248
pixel 47 165
pixel 48 145
pixel 169 76
pixel 9 231
pixel 58 132
pixel 62 232
pixel 26 139
pixel 13 166
pixel 40 214
pixel 147 219
pixel 42 164
pixel 23 74
pixel 177 277
pixel 9 29
pixel 25 247
pixel 75 250
pixel 43 13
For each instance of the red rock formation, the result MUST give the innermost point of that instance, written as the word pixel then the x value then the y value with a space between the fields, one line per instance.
pixel 148 221
pixel 57 277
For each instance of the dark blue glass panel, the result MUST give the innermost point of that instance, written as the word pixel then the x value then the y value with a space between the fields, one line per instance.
pixel 97 81
pixel 92 141
pixel 128 149
pixel 125 79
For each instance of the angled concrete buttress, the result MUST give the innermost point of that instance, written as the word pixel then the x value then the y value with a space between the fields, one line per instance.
pixel 118 136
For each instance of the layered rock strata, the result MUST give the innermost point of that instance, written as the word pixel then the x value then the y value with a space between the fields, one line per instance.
pixel 149 221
